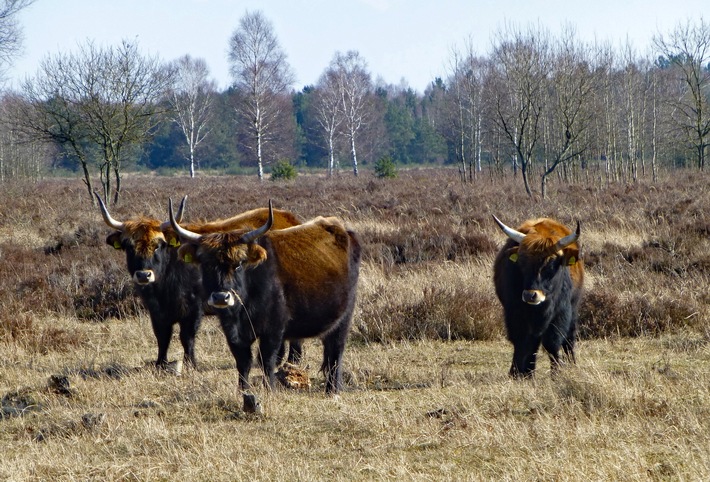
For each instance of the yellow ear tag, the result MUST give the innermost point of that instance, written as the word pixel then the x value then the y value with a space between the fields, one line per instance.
pixel 513 257
pixel 117 244
pixel 187 258
pixel 572 260
pixel 174 242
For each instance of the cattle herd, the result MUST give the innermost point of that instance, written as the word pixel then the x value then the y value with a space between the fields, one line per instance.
pixel 270 277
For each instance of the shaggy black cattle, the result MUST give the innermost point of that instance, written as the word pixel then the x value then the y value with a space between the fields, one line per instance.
pixel 538 278
pixel 171 290
pixel 289 284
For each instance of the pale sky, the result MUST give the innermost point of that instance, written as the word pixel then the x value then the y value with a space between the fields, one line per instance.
pixel 399 39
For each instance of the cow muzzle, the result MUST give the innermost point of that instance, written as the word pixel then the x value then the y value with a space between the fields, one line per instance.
pixel 221 299
pixel 144 277
pixel 533 297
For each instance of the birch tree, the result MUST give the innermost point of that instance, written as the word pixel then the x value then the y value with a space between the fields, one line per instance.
pixel 191 99
pixel 354 86
pixel 328 113
pixel 263 76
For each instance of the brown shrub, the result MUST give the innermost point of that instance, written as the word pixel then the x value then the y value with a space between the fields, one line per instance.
pixel 441 313
pixel 33 335
pixel 608 313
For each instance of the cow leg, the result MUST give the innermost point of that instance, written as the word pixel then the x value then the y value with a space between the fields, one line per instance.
pixel 333 348
pixel 163 331
pixel 561 333
pixel 269 347
pixel 295 351
pixel 241 350
pixel 281 354
pixel 553 352
pixel 524 357
pixel 569 341
pixel 188 332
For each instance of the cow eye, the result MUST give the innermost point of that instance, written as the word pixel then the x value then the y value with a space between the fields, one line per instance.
pixel 238 268
pixel 551 264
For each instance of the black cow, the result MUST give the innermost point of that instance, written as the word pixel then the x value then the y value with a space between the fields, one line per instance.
pixel 294 283
pixel 171 290
pixel 538 278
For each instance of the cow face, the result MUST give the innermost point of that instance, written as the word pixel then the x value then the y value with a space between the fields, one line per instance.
pixel 542 252
pixel 225 259
pixel 143 240
pixel 541 274
pixel 146 249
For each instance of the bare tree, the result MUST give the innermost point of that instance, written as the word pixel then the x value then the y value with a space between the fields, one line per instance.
pixel 456 131
pixel 569 114
pixel 354 89
pixel 21 156
pixel 10 32
pixel 100 99
pixel 191 99
pixel 688 50
pixel 263 75
pixel 521 66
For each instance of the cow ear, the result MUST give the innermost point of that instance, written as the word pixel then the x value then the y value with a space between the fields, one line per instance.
pixel 114 239
pixel 571 256
pixel 513 254
pixel 255 255
pixel 188 253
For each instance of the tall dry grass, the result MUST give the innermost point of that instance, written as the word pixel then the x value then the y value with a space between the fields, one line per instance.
pixel 427 393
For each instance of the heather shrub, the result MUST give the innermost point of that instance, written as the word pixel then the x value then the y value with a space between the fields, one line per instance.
pixel 609 313
pixel 646 253
pixel 35 335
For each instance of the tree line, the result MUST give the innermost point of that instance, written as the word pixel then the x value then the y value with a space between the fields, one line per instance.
pixel 536 106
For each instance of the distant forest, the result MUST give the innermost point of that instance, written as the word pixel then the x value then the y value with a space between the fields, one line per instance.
pixel 541 106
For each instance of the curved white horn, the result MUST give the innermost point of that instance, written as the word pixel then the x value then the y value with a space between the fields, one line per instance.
pixel 182 232
pixel 112 223
pixel 252 236
pixel 516 236
pixel 178 216
pixel 569 239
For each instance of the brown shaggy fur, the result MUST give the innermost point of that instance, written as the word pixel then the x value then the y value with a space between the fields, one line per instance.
pixel 541 235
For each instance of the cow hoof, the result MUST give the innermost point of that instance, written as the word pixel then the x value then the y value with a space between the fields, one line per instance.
pixel 252 404
pixel 174 368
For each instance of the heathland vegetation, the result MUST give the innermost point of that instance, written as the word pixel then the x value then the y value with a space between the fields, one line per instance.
pixel 427 392
pixel 540 126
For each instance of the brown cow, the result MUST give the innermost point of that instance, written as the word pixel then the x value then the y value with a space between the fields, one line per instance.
pixel 295 283
pixel 538 278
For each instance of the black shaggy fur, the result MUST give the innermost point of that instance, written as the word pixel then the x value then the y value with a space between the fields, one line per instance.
pixel 520 270
pixel 175 297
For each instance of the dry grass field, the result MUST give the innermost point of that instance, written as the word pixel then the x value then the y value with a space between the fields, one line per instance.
pixel 427 393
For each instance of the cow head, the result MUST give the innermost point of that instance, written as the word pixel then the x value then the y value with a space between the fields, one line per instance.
pixel 224 257
pixel 542 251
pixel 143 241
